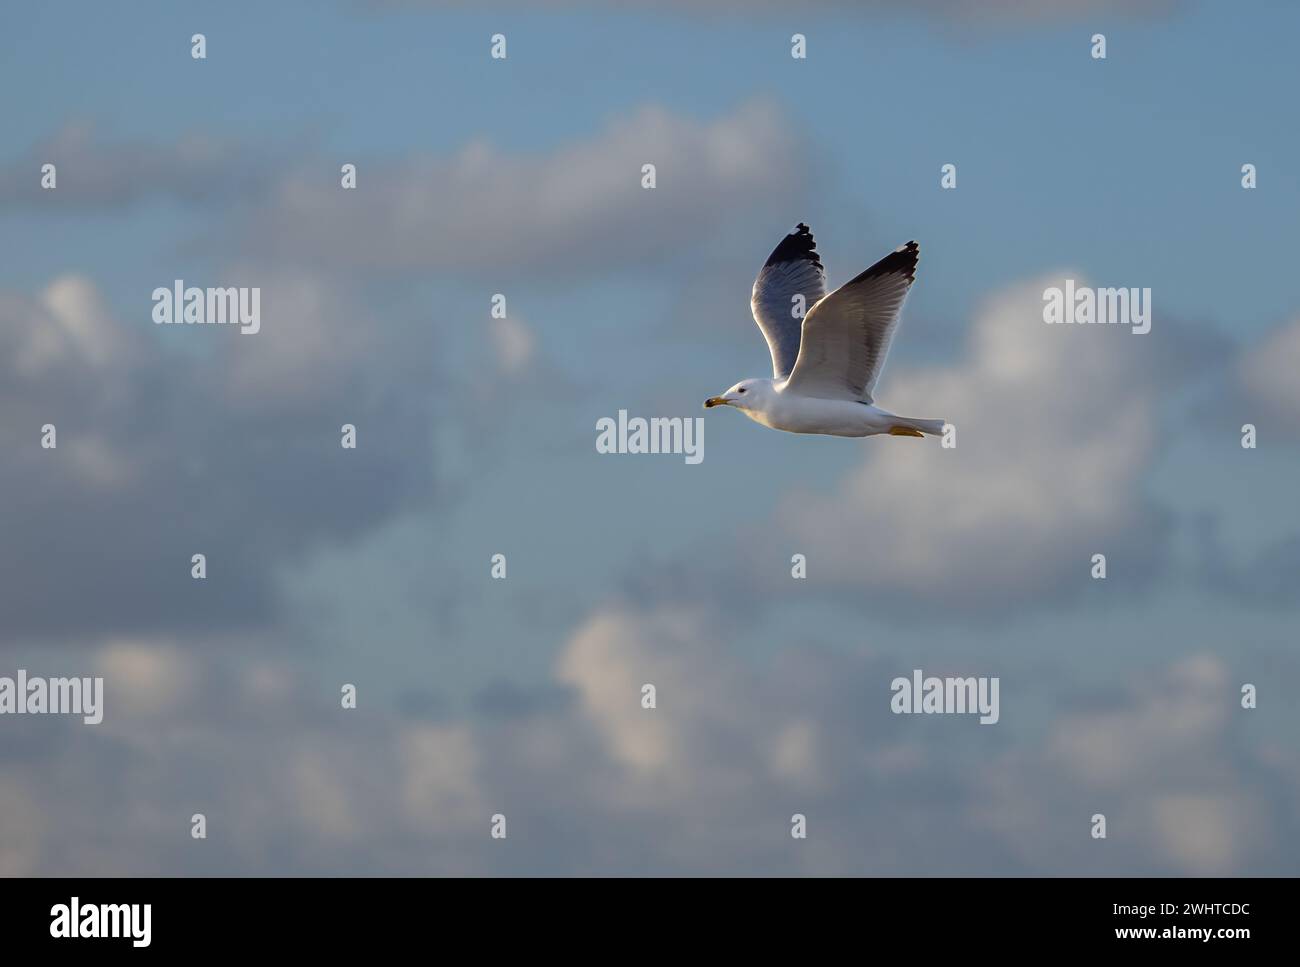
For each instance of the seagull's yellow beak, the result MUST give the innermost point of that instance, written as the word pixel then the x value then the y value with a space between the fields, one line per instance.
pixel 715 401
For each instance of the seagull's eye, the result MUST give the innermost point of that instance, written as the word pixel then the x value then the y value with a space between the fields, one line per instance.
pixel 742 391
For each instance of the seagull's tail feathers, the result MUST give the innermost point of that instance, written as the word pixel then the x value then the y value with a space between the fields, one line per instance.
pixel 905 426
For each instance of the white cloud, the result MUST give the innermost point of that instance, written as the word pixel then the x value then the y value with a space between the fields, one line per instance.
pixel 440 777
pixel 1267 375
pixel 562 211
pixel 313 340
pixel 705 783
pixel 1204 834
pixel 613 654
pixel 814 730
pixel 66 322
pixel 144 678
pixel 1055 427
pixel 1178 793
pixel 513 343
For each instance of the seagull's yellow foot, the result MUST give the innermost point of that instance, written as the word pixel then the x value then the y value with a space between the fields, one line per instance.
pixel 904 431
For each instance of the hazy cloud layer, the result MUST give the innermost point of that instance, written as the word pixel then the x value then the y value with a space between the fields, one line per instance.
pixel 706 782
pixel 566 211
pixel 96 172
pixel 216 442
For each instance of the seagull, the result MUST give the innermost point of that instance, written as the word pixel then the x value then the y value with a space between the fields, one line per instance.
pixel 824 372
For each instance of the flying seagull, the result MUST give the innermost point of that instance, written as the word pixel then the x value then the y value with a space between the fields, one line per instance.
pixel 824 372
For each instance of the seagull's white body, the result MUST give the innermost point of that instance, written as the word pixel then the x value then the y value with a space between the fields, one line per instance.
pixel 825 362
pixel 773 407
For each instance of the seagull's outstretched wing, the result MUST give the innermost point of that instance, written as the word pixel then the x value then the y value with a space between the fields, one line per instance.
pixel 793 268
pixel 846 336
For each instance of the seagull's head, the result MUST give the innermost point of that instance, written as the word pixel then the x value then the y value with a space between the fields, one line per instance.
pixel 746 394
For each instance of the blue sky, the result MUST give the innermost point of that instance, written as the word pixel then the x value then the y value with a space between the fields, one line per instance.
pixel 521 177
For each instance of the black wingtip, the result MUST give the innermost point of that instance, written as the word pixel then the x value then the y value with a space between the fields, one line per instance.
pixel 912 251
pixel 902 259
pixel 799 244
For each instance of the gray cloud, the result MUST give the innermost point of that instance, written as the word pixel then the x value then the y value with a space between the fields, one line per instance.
pixel 1057 427
pixel 226 446
pixel 560 213
pixel 705 783
pixel 95 173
